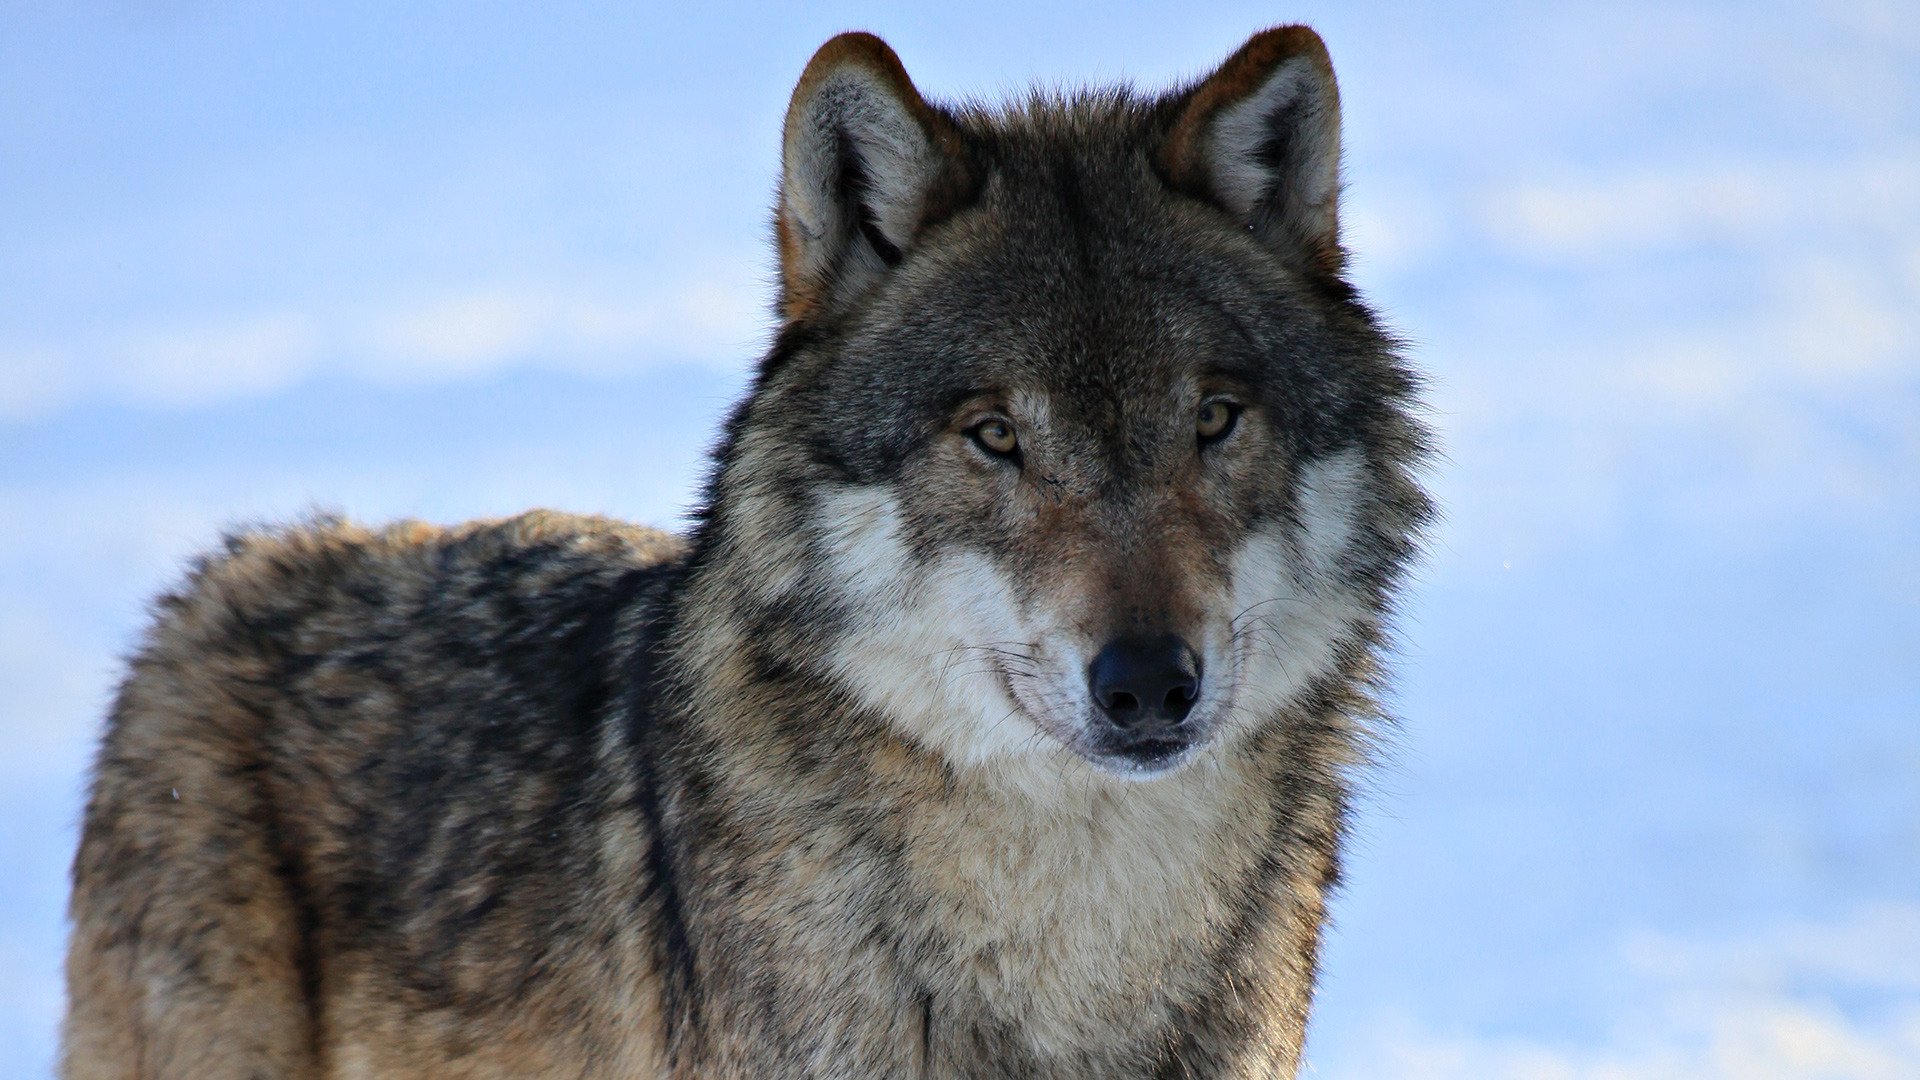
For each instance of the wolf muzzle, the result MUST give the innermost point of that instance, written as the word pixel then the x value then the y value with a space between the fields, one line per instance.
pixel 1145 687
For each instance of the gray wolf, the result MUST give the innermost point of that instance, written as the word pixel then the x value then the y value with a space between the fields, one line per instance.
pixel 996 718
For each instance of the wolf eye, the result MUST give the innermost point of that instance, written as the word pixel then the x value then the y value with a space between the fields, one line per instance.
pixel 996 437
pixel 1216 420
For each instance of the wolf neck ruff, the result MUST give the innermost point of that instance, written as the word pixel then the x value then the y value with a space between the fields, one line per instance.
pixel 995 719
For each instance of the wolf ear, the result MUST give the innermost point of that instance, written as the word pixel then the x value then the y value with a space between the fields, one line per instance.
pixel 1260 138
pixel 867 163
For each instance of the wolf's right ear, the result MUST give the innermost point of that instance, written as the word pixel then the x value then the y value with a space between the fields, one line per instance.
pixel 1260 138
pixel 867 164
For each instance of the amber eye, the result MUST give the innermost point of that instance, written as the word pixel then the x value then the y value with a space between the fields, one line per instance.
pixel 1216 420
pixel 996 437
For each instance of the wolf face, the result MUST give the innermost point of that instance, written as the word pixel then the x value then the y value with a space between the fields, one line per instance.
pixel 1102 532
pixel 1076 446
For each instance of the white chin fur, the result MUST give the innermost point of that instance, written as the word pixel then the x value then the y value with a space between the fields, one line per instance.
pixel 942 648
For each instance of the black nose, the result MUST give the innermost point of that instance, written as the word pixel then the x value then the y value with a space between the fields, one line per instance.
pixel 1145 683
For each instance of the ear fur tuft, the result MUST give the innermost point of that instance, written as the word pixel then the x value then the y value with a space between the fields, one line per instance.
pixel 1260 138
pixel 867 163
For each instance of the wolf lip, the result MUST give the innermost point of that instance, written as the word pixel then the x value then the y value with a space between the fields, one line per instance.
pixel 1151 753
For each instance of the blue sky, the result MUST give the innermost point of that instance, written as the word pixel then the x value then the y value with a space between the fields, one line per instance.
pixel 1654 809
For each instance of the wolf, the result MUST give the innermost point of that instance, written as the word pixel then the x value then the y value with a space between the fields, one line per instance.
pixel 996 717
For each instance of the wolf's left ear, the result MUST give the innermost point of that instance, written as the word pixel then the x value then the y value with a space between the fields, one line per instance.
pixel 867 164
pixel 1260 138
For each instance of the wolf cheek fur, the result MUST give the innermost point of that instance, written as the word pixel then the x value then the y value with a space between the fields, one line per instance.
pixel 994 720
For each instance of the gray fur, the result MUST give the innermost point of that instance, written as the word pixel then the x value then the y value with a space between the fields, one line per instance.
pixel 818 791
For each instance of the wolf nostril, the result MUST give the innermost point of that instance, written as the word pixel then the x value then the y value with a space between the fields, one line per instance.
pixel 1179 701
pixel 1145 682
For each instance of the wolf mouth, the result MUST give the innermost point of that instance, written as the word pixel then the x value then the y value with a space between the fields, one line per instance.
pixel 1076 729
pixel 1150 757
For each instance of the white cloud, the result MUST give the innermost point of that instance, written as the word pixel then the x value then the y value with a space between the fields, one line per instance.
pixel 1875 947
pixel 1585 219
pixel 192 365
pixel 1844 321
pixel 1733 344
pixel 1661 208
pixel 460 333
pixel 1764 1005
pixel 449 335
pixel 488 328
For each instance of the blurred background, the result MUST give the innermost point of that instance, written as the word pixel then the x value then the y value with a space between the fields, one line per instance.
pixel 1654 809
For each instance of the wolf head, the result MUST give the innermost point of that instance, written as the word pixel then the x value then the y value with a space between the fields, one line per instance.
pixel 1075 443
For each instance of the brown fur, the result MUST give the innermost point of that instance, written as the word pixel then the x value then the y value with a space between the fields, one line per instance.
pixel 212 938
pixel 217 816
pixel 563 797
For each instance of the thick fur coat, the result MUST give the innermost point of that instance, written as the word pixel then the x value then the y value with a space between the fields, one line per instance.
pixel 996 719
